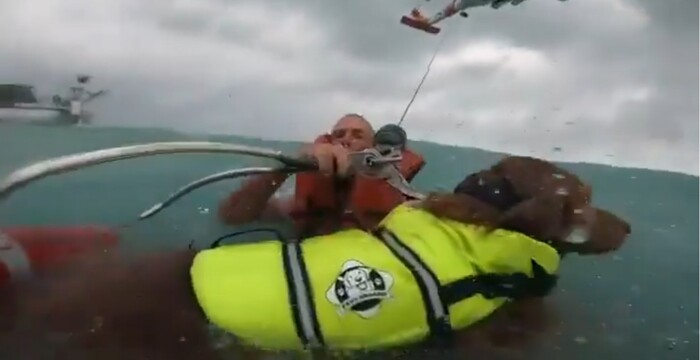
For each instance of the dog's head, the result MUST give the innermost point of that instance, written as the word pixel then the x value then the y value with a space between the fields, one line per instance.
pixel 538 198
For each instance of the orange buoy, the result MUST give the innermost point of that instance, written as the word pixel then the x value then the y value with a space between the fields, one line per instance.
pixel 31 250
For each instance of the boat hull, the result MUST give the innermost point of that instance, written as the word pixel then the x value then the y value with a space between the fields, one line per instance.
pixel 37 116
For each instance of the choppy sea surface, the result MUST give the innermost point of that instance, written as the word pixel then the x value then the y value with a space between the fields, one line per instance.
pixel 638 303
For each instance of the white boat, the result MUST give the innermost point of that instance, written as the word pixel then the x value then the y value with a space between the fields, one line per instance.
pixel 19 104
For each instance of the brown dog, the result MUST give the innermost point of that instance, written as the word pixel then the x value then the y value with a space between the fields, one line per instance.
pixel 538 198
pixel 145 307
pixel 543 200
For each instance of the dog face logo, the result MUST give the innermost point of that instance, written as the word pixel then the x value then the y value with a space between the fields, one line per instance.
pixel 360 289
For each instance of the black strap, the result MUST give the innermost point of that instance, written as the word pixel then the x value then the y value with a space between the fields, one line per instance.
pixel 438 298
pixel 490 286
pixel 216 243
pixel 298 286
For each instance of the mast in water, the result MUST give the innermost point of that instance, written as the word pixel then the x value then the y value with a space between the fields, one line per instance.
pixel 76 99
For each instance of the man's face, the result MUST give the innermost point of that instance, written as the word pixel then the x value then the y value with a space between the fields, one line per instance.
pixel 353 132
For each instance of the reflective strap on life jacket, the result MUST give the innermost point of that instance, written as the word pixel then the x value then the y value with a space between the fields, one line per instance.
pixel 300 297
pixel 429 285
pixel 437 298
pixel 301 300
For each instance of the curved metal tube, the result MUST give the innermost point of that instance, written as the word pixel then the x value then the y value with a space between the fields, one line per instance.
pixel 58 165
pixel 229 174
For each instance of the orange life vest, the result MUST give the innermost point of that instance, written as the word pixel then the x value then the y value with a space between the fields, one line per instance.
pixel 324 204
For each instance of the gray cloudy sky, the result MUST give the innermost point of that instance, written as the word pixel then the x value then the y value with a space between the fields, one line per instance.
pixel 612 81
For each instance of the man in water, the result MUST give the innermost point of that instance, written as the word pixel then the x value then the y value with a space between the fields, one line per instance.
pixel 332 185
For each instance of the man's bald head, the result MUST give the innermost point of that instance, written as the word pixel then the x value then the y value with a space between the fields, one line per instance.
pixel 354 132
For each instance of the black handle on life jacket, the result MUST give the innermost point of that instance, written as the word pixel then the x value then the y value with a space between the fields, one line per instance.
pixel 218 241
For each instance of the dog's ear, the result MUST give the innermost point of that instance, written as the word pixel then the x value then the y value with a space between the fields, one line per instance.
pixel 540 217
pixel 531 177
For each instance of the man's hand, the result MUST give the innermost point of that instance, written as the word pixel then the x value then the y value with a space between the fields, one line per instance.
pixel 333 160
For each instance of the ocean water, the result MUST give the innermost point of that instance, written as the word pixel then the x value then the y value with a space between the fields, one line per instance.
pixel 638 303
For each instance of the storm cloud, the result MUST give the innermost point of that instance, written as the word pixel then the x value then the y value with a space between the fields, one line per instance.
pixel 612 81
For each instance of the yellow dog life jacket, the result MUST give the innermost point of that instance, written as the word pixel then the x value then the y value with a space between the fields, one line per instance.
pixel 416 277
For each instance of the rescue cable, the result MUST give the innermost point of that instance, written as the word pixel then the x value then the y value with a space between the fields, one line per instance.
pixel 425 75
